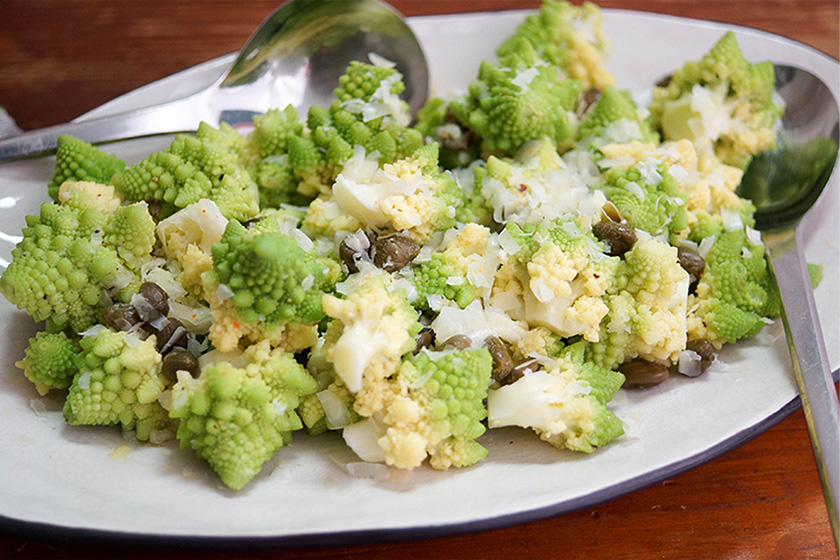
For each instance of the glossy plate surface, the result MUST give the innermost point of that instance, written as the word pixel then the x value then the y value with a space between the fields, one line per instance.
pixel 81 479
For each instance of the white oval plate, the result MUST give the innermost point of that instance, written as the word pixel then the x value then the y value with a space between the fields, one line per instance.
pixel 70 480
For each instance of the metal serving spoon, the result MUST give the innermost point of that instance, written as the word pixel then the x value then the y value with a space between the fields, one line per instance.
pixel 784 184
pixel 296 56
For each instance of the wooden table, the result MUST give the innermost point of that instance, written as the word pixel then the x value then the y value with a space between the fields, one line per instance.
pixel 61 58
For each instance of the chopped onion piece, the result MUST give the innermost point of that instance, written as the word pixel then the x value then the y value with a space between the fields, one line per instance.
pixel 362 438
pixel 690 363
pixel 337 414
pixel 84 380
pixel 374 471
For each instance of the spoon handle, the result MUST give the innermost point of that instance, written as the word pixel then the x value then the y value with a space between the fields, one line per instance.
pixel 810 363
pixel 181 115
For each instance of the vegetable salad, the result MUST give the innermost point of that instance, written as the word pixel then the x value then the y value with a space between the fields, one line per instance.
pixel 513 256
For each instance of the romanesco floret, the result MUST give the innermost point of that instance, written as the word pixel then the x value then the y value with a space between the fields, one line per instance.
pixel 190 169
pixel 648 197
pixel 556 277
pixel 708 185
pixel 722 103
pixel 569 37
pixel 736 291
pixel 509 105
pixel 119 381
pixel 461 271
pixel 77 160
pixel 372 329
pixel 435 409
pixel 66 266
pixel 237 416
pixel 49 361
pixel 294 164
pixel 647 305
pixel 536 185
pixel 613 118
pixel 270 166
pixel 563 400
pixel 269 279
pixel 410 195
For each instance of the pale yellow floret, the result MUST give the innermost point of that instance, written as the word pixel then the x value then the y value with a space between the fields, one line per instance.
pixel 535 342
pixel 367 339
pixel 587 65
pixel 564 292
pixel 325 217
pixel 104 198
pixel 552 269
pixel 401 195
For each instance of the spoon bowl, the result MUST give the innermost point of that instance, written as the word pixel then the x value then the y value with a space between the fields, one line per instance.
pixel 294 57
pixel 784 184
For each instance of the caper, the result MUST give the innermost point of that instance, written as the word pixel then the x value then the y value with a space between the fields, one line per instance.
pixel 587 99
pixel 354 248
pixel 693 263
pixel 664 82
pixel 425 339
pixel 179 359
pixel 502 362
pixel 121 316
pixel 641 373
pixel 157 299
pixel 169 334
pixel 519 370
pixel 619 236
pixel 705 350
pixel 393 251
pixel 458 342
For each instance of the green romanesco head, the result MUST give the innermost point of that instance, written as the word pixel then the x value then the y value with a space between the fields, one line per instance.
pixel 648 197
pixel 119 381
pixel 436 409
pixel 614 118
pixel 508 106
pixel 236 418
pixel 563 400
pixel 190 169
pixel 49 361
pixel 567 36
pixel 273 131
pixel 131 232
pixel 271 277
pixel 722 103
pixel 736 291
pixel 77 160
pixel 647 306
pixel 65 264
pixel 362 81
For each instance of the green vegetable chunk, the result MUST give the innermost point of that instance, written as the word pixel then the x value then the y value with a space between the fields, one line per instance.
pixel 119 382
pixel 236 418
pixel 77 160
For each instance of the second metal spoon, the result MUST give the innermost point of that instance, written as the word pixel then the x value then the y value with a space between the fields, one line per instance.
pixel 784 185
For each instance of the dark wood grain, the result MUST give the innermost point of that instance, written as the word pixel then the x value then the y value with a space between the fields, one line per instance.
pixel 60 58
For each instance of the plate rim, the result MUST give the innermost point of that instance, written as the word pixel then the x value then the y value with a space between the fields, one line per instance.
pixel 347 537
